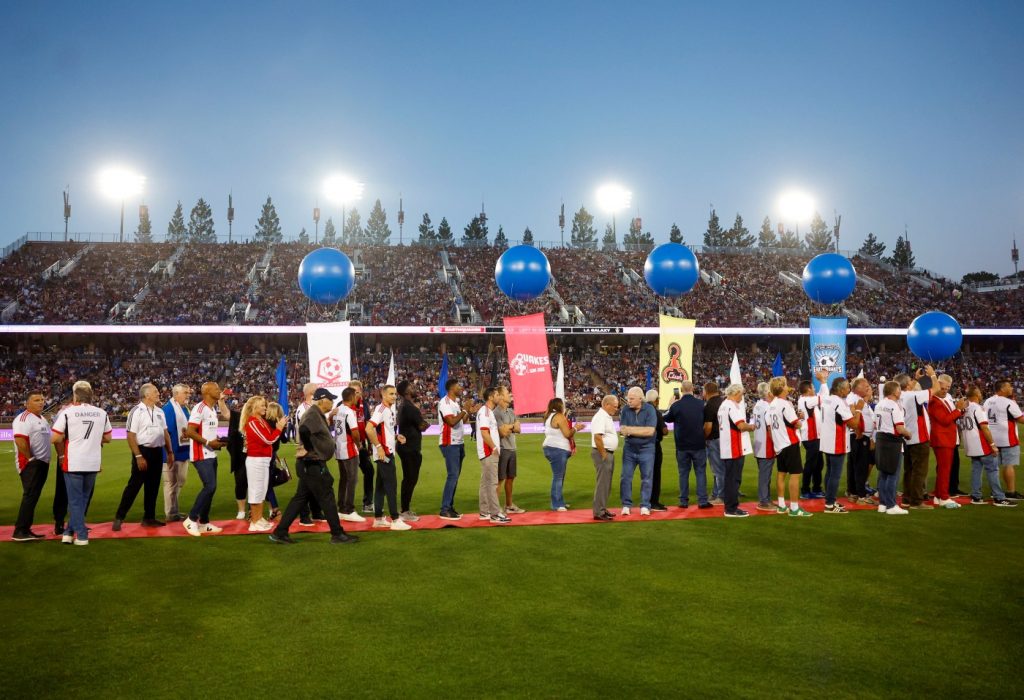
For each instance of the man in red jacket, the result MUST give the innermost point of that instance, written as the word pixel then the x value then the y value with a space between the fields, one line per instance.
pixel 944 438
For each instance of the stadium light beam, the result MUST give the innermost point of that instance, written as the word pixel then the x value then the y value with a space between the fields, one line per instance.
pixel 796 207
pixel 613 198
pixel 119 184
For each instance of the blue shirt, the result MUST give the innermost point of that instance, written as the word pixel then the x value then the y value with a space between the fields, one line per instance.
pixel 646 417
pixel 180 451
pixel 688 416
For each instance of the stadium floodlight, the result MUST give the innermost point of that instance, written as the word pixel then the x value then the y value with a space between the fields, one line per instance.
pixel 796 207
pixel 119 184
pixel 613 198
pixel 341 189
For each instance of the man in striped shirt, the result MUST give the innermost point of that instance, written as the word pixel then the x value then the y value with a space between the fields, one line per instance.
pixel 148 441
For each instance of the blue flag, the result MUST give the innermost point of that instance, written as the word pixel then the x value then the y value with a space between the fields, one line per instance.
pixel 650 379
pixel 777 370
pixel 282 384
pixel 443 379
pixel 828 347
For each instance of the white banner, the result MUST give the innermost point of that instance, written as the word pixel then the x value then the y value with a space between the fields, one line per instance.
pixel 330 354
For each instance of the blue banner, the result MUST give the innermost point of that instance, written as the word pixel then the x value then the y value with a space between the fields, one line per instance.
pixel 282 384
pixel 443 379
pixel 777 370
pixel 828 347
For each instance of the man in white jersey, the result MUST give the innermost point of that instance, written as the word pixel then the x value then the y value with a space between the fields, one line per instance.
pixel 764 448
pixel 915 406
pixel 860 444
pixel 810 406
pixel 381 431
pixel 783 425
pixel 733 447
pixel 890 432
pixel 83 429
pixel 148 441
pixel 348 440
pixel 980 446
pixel 1003 416
pixel 32 458
pixel 450 418
pixel 837 418
pixel 202 431
pixel 488 451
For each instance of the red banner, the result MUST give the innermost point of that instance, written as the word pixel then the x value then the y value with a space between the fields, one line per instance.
pixel 528 363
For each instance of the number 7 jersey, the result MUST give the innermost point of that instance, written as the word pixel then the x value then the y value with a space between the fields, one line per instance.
pixel 83 427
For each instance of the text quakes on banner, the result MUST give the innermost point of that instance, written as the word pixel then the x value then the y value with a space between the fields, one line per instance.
pixel 529 363
pixel 675 356
pixel 828 347
pixel 330 354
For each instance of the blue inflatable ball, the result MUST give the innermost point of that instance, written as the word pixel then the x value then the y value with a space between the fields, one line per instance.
pixel 326 276
pixel 829 278
pixel 934 336
pixel 671 270
pixel 522 272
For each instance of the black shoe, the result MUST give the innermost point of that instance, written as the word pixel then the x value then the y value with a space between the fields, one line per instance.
pixel 308 522
pixel 450 515
pixel 660 507
pixel 281 539
pixel 151 522
pixel 705 506
pixel 737 513
pixel 742 495
pixel 116 525
pixel 609 514
pixel 176 518
pixel 344 538
pixel 603 516
pixel 957 493
pixel 36 535
pixel 22 537
pixel 1014 496
pixel 319 519
pixel 58 529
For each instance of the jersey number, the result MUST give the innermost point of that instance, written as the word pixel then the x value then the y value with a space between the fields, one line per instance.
pixel 88 430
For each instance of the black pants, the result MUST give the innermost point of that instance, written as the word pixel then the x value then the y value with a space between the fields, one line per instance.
pixel 656 475
pixel 857 466
pixel 954 473
pixel 386 486
pixel 311 509
pixel 315 481
pixel 366 467
pixel 731 488
pixel 412 460
pixel 148 481
pixel 813 465
pixel 241 484
pixel 33 478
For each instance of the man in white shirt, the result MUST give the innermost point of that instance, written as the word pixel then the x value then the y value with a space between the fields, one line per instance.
pixel 733 447
pixel 604 440
pixel 1003 417
pixel 450 418
pixel 176 464
pixel 915 407
pixel 382 434
pixel 861 449
pixel 83 430
pixel 980 447
pixel 488 451
pixel 147 440
pixel 202 431
pixel 837 418
pixel 32 458
pixel 764 448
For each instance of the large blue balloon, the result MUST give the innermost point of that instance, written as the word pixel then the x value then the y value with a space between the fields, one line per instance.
pixel 829 278
pixel 326 276
pixel 671 270
pixel 934 336
pixel 522 272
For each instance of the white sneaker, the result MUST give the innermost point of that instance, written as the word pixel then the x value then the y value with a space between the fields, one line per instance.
pixel 381 522
pixel 191 527
pixel 211 528
pixel 935 501
pixel 645 511
pixel 260 525
pixel 624 511
pixel 67 539
pixel 240 516
pixel 352 517
pixel 896 510
pixel 81 543
pixel 399 524
pixel 484 516
pixel 562 509
pixel 409 516
pixel 881 508
pixel 949 503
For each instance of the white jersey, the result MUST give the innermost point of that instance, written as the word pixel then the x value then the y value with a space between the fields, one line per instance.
pixel 1002 414
pixel 867 415
pixel 205 420
pixel 889 415
pixel 835 436
pixel 811 406
pixel 83 427
pixel 975 444
pixel 782 421
pixel 36 432
pixel 384 420
pixel 733 443
pixel 915 406
pixel 345 427
pixel 148 425
pixel 764 448
pixel 487 423
pixel 450 434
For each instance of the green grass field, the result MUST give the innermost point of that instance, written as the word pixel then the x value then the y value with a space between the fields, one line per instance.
pixel 861 605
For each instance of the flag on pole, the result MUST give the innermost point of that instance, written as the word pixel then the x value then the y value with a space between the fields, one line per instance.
pixel 560 379
pixel 777 370
pixel 443 379
pixel 282 384
pixel 650 380
pixel 734 372
pixel 861 374
pixel 391 371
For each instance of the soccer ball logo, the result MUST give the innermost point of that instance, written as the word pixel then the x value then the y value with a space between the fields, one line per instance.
pixel 828 360
pixel 519 365
pixel 329 369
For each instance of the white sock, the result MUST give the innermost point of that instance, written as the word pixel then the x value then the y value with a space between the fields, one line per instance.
pixel 794 506
pixel 782 502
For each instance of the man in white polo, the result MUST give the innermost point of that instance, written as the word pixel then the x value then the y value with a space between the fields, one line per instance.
pixel 32 458
pixel 148 440
pixel 604 440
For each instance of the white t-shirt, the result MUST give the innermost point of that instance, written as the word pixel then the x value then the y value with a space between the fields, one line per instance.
pixel 36 432
pixel 383 420
pixel 915 406
pixel 148 424
pixel 975 444
pixel 782 420
pixel 764 446
pixel 1003 413
pixel 867 415
pixel 487 423
pixel 604 425
pixel 889 415
pixel 204 420
pixel 811 406
pixel 450 434
pixel 732 442
pixel 345 425
pixel 835 436
pixel 83 427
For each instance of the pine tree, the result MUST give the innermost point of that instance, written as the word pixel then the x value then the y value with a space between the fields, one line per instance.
pixel 584 235
pixel 608 243
pixel 475 233
pixel 144 233
pixel 789 240
pixel 352 233
pixel 268 228
pixel 527 236
pixel 873 247
pixel 902 257
pixel 714 237
pixel 330 234
pixel 427 233
pixel 675 235
pixel 766 237
pixel 377 230
pixel 820 237
pixel 176 228
pixel 200 223
pixel 444 232
pixel 500 239
pixel 303 236
pixel 980 276
pixel 738 236
pixel 635 240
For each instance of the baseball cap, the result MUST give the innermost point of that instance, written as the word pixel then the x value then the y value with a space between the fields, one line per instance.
pixel 322 393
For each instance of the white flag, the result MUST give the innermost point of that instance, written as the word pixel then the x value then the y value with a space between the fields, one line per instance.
pixel 330 358
pixel 734 372
pixel 391 370
pixel 861 375
pixel 560 380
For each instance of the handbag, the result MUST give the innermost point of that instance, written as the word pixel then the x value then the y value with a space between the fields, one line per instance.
pixel 279 472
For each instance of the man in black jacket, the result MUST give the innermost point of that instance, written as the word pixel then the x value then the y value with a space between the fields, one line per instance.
pixel 314 477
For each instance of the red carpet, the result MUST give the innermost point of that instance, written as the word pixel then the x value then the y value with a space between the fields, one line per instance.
pixel 579 516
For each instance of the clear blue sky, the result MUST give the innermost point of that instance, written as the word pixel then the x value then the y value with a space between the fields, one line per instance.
pixel 890 113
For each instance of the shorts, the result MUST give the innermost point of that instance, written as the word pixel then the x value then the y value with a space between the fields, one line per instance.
pixel 507 465
pixel 788 461
pixel 1009 456
pixel 257 472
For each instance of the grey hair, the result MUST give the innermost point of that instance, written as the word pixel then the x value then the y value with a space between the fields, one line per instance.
pixel 82 391
pixel 651 396
pixel 145 388
pixel 177 388
pixel 764 390
pixel 734 389
pixel 686 387
pixel 609 399
pixel 310 388
pixel 634 391
pixel 945 378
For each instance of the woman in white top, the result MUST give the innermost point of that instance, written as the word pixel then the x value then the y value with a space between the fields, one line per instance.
pixel 558 447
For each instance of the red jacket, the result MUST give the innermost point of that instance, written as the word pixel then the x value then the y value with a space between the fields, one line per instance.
pixel 943 423
pixel 260 438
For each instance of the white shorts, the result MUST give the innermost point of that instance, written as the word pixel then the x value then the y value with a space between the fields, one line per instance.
pixel 257 471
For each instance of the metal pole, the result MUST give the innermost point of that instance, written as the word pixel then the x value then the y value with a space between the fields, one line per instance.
pixel 122 221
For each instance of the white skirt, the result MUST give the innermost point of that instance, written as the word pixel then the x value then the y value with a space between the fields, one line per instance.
pixel 257 472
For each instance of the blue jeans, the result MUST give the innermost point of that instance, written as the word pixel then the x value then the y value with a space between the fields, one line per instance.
pixel 271 497
pixel 989 465
pixel 764 480
pixel 833 475
pixel 887 486
pixel 717 469
pixel 559 459
pixel 698 461
pixel 207 469
pixel 633 457
pixel 79 486
pixel 453 456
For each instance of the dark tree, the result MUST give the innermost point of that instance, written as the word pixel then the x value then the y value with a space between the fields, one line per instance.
pixel 584 235
pixel 200 223
pixel 176 231
pixel 675 235
pixel 766 237
pixel 873 247
pixel 268 228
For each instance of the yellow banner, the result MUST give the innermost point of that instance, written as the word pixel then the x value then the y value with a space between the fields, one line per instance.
pixel 675 359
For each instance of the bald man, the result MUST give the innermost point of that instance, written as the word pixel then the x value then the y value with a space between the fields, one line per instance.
pixel 202 431
pixel 603 443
